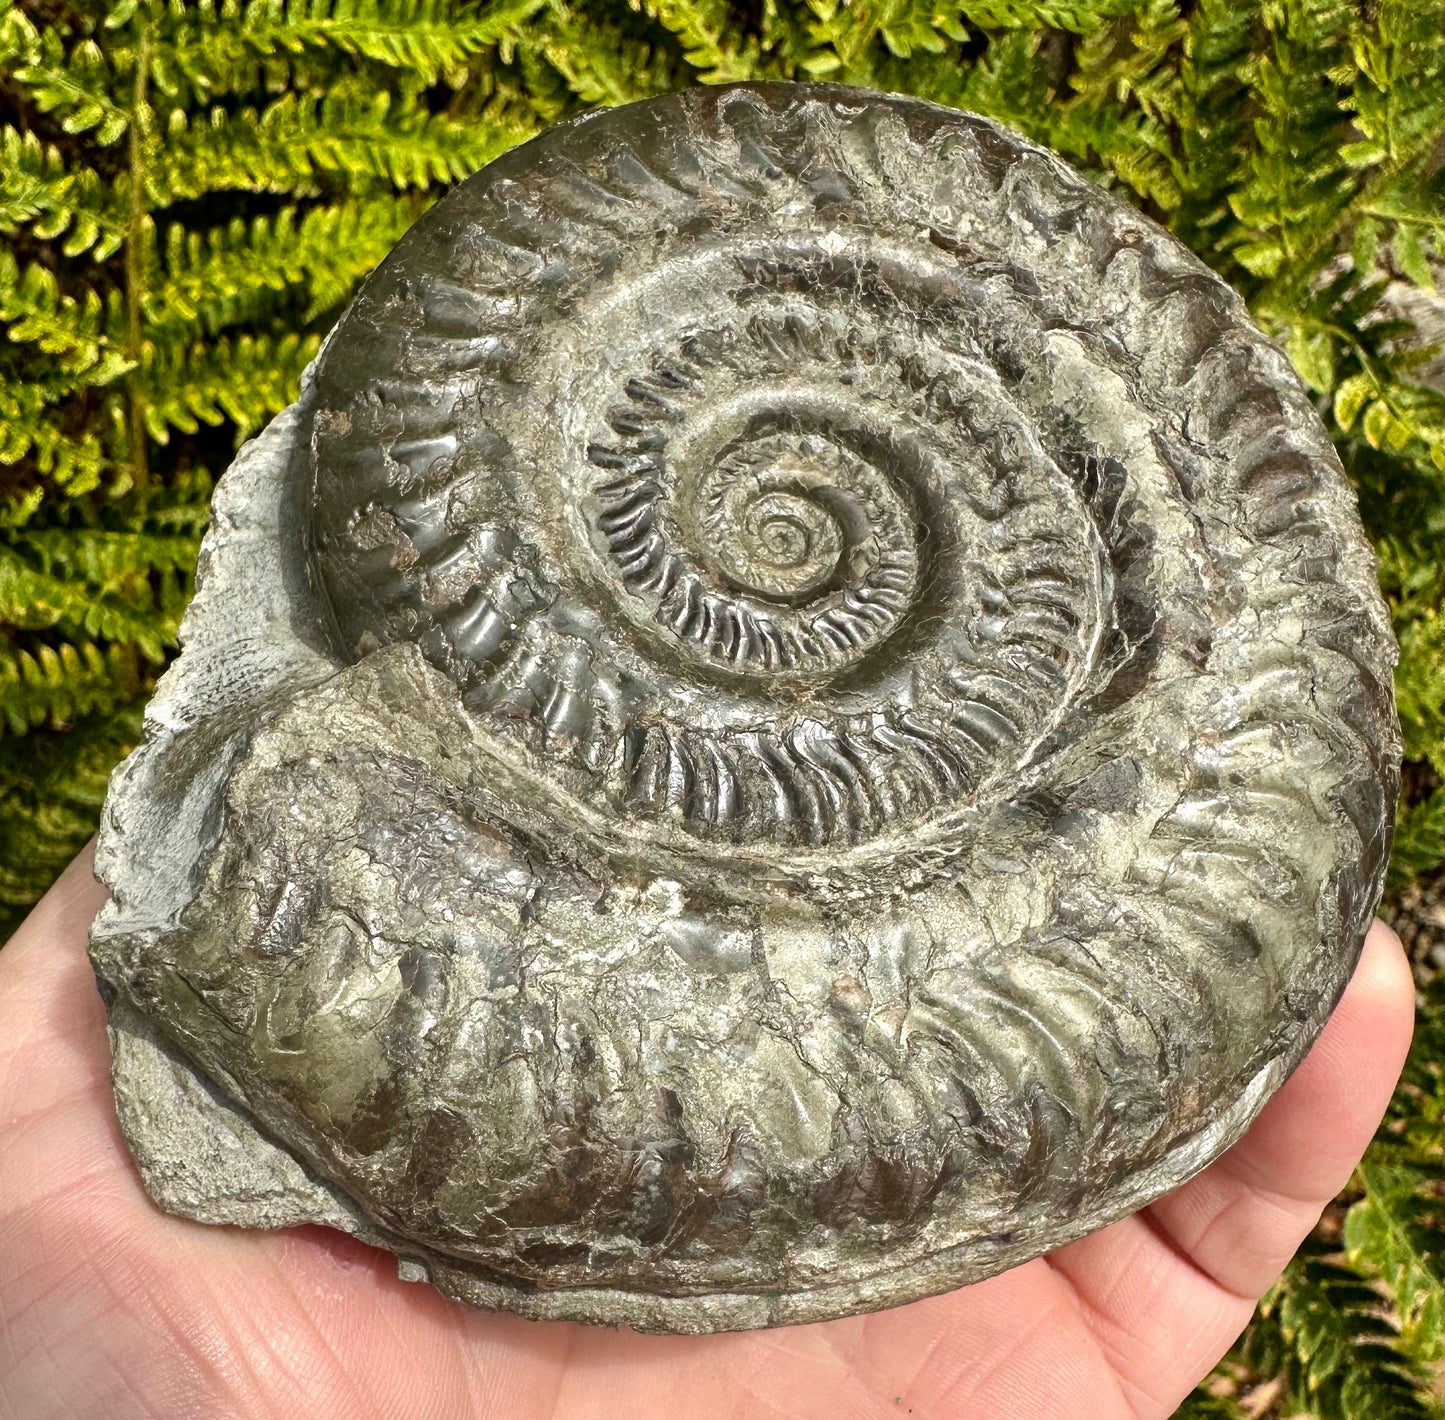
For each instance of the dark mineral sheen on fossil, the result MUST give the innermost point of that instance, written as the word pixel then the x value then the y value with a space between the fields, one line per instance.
pixel 798 714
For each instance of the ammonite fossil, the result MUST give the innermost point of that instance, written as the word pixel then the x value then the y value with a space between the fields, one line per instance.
pixel 798 714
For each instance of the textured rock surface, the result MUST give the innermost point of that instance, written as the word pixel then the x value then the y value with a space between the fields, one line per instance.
pixel 798 714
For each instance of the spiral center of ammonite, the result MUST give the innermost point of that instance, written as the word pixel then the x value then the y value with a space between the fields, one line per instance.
pixel 757 545
pixel 779 538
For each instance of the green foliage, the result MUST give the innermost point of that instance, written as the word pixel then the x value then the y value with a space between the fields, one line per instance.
pixel 1204 1405
pixel 1358 1333
pixel 1395 1227
pixel 1395 1233
pixel 189 193
pixel 50 798
pixel 1322 1329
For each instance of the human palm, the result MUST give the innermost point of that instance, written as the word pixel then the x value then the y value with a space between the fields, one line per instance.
pixel 109 1308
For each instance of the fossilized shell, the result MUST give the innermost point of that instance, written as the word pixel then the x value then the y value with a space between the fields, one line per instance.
pixel 798 714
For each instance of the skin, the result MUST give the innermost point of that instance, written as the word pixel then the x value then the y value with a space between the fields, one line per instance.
pixel 109 1308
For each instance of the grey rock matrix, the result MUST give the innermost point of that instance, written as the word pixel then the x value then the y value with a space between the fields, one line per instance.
pixel 798 714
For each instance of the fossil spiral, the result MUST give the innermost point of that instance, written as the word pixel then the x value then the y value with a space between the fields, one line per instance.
pixel 798 714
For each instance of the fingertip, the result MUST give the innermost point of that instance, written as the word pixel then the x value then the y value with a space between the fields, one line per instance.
pixel 1387 971
pixel 48 996
pixel 1368 1036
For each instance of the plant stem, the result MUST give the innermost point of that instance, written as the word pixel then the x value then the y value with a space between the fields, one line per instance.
pixel 134 265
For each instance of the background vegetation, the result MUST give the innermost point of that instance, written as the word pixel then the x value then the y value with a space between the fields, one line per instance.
pixel 190 192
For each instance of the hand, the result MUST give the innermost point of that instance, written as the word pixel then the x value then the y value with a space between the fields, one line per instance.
pixel 111 1310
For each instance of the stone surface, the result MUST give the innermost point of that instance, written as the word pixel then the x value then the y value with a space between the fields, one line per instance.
pixel 798 714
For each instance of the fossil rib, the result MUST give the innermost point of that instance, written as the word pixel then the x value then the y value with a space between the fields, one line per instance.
pixel 798 713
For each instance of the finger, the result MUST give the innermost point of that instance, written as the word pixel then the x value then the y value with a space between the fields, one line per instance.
pixel 52 1037
pixel 1169 1289
pixel 67 909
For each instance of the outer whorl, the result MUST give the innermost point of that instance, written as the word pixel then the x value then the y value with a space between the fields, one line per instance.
pixel 798 714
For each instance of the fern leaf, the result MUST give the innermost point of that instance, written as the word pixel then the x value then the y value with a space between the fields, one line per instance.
pixel 213 52
pixel 1298 183
pixel 79 331
pixel 55 685
pixel 349 240
pixel 1417 694
pixel 1419 832
pixel 28 431
pixel 904 27
pixel 72 87
pixel 1396 1229
pixel 599 62
pixel 296 141
pixel 1012 85
pixel 108 559
pixel 121 611
pixel 40 191
pixel 51 789
pixel 245 381
pixel 1202 1404
pixel 707 32
pixel 1214 131
pixel 1321 1328
pixel 1399 63
pixel 230 275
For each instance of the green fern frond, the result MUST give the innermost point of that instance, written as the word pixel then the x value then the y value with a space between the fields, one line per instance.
pixel 41 191
pixel 600 62
pixel 1203 1405
pixel 843 37
pixel 226 49
pixel 1419 832
pixel 1071 16
pixel 189 192
pixel 56 685
pixel 707 30
pixel 1121 63
pixel 923 27
pixel 1395 95
pixel 1417 696
pixel 904 28
pixel 1397 1231
pixel 1410 1135
pixel 1321 1329
pixel 77 330
pixel 1343 350
pixel 1128 99
pixel 229 275
pixel 51 790
pixel 108 559
pixel 28 431
pixel 348 240
pixel 183 506
pixel 295 142
pixel 1297 183
pixel 121 609
pixel 245 381
pixel 1010 84
pixel 71 87
pixel 1214 132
